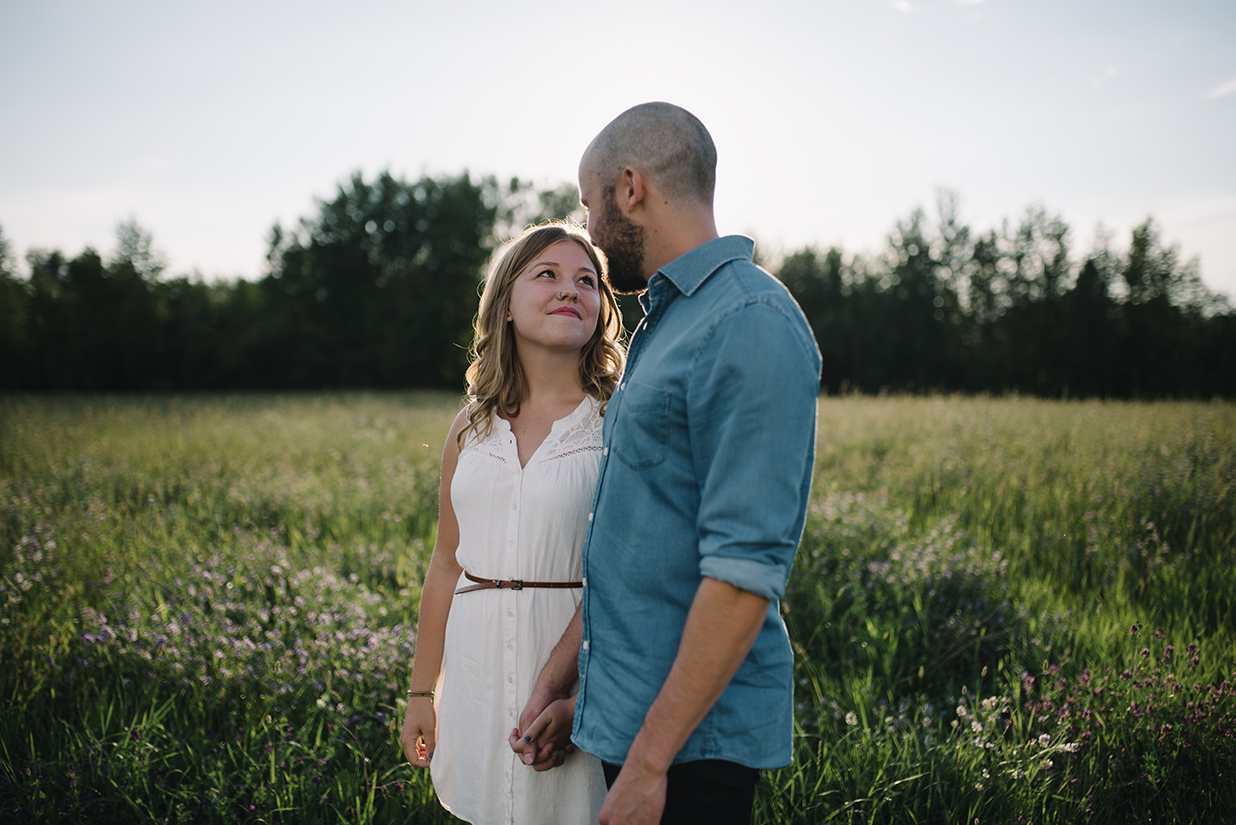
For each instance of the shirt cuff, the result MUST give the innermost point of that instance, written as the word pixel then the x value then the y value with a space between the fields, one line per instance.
pixel 754 577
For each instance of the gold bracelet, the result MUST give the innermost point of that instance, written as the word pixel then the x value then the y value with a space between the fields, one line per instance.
pixel 412 693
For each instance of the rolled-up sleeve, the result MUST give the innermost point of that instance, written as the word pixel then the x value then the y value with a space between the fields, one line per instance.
pixel 752 410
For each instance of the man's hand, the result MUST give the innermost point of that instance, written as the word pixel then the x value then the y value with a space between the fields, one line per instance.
pixel 419 734
pixel 636 798
pixel 545 742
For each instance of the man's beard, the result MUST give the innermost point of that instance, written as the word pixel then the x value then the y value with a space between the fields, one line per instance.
pixel 623 244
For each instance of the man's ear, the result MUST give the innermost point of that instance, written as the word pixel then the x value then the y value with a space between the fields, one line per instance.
pixel 632 189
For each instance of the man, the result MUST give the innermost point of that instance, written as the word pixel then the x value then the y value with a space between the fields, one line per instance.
pixel 684 666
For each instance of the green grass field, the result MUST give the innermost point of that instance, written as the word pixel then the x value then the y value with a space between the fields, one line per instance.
pixel 1005 610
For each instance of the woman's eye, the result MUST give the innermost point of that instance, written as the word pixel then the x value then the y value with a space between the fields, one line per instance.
pixel 546 272
pixel 589 280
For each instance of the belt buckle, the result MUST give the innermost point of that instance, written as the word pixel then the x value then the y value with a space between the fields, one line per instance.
pixel 517 584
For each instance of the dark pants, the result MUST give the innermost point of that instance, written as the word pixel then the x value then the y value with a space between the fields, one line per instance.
pixel 709 791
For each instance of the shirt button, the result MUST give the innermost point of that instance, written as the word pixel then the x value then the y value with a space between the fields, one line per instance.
pixel 585 644
pixel 510 612
pixel 509 646
pixel 585 581
pixel 605 451
pixel 510 679
pixel 590 517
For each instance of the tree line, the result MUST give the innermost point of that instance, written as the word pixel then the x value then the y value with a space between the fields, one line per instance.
pixel 1014 310
pixel 377 289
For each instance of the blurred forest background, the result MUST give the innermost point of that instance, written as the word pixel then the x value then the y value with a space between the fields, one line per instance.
pixel 377 289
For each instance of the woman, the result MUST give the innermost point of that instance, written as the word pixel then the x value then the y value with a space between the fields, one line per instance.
pixel 518 473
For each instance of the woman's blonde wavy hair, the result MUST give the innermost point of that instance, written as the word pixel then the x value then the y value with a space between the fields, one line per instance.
pixel 495 378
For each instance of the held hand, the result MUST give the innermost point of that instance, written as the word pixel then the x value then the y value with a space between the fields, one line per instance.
pixel 540 699
pixel 539 759
pixel 537 702
pixel 419 734
pixel 636 798
pixel 545 743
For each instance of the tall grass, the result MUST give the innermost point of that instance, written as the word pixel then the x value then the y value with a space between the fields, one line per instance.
pixel 974 595
pixel 1004 610
pixel 208 605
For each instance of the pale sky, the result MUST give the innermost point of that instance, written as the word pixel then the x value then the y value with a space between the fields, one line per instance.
pixel 208 122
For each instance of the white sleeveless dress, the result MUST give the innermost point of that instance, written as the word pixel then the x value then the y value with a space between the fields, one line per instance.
pixel 514 523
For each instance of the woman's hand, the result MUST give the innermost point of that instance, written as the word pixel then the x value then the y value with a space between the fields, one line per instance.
pixel 546 742
pixel 419 734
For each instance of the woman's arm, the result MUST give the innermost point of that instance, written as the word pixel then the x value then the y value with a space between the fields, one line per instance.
pixel 419 734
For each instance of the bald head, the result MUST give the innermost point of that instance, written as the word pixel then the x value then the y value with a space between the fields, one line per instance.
pixel 666 142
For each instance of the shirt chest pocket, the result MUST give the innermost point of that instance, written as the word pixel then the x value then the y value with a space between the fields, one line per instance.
pixel 640 429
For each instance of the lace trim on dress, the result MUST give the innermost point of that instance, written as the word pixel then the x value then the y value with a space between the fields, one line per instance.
pixel 596 447
pixel 491 445
pixel 583 435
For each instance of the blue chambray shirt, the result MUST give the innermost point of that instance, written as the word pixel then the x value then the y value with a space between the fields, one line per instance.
pixel 709 445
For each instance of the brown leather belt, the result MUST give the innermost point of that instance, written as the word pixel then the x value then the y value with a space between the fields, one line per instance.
pixel 511 584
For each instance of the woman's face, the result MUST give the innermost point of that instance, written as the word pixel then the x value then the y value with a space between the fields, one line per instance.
pixel 555 301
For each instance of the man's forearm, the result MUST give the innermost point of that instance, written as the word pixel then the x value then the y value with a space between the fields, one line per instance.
pixel 557 677
pixel 721 627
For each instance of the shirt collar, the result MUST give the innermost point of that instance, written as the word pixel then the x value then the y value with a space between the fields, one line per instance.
pixel 689 271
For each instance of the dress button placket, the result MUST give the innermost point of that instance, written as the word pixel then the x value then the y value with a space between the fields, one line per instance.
pixel 510 569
